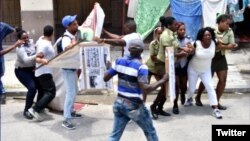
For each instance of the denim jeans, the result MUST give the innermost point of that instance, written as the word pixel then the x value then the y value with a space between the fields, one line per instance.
pixel 2 90
pixel 27 77
pixel 2 69
pixel 126 110
pixel 70 81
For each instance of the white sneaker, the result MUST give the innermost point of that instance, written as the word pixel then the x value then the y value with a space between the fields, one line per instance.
pixel 35 114
pixel 188 102
pixel 217 114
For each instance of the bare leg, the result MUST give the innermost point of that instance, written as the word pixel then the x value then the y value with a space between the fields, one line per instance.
pixel 222 76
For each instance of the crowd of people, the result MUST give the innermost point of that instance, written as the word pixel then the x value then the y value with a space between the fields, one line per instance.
pixel 32 55
pixel 194 59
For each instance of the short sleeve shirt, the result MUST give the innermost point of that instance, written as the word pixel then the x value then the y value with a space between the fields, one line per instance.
pixel 47 49
pixel 227 37
pixel 182 62
pixel 167 39
pixel 128 39
pixel 130 72
pixel 153 51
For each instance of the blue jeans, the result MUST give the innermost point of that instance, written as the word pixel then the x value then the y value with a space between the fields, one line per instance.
pixel 126 110
pixel 70 81
pixel 2 69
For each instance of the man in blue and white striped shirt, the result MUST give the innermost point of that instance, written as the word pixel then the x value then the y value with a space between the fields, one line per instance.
pixel 132 84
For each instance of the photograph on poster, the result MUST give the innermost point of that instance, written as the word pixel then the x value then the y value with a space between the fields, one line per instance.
pixel 94 59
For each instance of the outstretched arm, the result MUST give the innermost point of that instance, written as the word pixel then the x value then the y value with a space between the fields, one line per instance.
pixel 114 42
pixel 107 77
pixel 109 73
pixel 111 35
pixel 6 50
pixel 147 88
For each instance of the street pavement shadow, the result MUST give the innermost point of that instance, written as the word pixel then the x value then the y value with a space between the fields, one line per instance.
pixel 45 116
pixel 83 129
pixel 186 112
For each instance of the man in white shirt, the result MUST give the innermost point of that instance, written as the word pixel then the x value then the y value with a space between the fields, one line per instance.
pixel 123 40
pixel 44 73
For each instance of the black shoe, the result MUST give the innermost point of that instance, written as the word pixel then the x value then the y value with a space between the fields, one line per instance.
pixel 176 110
pixel 68 125
pixel 27 115
pixel 75 115
pixel 183 98
pixel 3 99
pixel 198 102
pixel 153 112
pixel 163 113
pixel 222 107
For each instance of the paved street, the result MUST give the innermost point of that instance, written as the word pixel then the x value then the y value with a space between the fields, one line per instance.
pixel 193 123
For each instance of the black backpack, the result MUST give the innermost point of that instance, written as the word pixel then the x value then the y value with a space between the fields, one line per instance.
pixel 59 43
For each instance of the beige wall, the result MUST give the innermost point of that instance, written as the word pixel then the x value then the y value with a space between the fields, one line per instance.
pixel 35 14
pixel 36 5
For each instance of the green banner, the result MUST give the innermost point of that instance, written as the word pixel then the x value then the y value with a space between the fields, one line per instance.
pixel 148 14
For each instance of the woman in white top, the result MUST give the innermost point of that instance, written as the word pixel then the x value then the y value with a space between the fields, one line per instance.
pixel 200 67
pixel 24 70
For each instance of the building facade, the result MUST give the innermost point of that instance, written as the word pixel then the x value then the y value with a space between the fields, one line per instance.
pixel 33 15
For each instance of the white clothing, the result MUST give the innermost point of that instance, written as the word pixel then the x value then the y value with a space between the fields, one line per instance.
pixel 202 58
pixel 132 8
pixel 26 55
pixel 47 49
pixel 206 78
pixel 209 10
pixel 67 40
pixel 128 39
pixel 233 1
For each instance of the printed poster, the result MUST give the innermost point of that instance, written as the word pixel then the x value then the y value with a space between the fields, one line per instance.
pixel 170 69
pixel 94 60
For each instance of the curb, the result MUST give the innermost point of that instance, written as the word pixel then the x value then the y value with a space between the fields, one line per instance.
pixel 11 93
pixel 245 71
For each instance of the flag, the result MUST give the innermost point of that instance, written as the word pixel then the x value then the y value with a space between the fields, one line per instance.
pixel 95 20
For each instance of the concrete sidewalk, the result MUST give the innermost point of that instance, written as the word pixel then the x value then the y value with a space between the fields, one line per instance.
pixel 237 82
pixel 193 123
